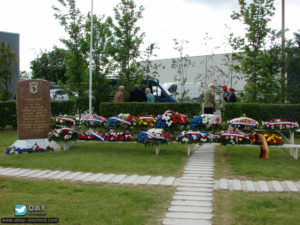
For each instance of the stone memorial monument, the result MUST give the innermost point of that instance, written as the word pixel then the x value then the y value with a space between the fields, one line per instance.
pixel 33 114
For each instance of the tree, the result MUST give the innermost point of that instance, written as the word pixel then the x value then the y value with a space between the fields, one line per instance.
pixel 101 56
pixel 76 64
pixel 258 52
pixel 7 66
pixel 50 66
pixel 24 75
pixel 293 70
pixel 149 68
pixel 181 65
pixel 128 40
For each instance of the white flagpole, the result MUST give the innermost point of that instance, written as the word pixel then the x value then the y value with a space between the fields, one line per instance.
pixel 90 66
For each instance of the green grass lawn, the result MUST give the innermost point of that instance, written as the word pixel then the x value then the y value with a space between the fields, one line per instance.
pixel 244 208
pixel 119 158
pixel 75 203
pixel 244 163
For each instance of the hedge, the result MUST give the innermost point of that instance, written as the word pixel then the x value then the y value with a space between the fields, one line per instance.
pixel 256 111
pixel 8 115
pixel 108 109
pixel 8 111
pixel 261 112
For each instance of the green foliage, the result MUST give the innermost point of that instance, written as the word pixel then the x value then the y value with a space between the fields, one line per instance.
pixel 8 114
pixel 293 70
pixel 261 112
pixel 181 65
pixel 63 107
pixel 258 52
pixel 50 66
pixel 108 109
pixel 128 40
pixel 7 66
pixel 76 63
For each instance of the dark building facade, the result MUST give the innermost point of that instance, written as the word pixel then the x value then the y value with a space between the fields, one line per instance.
pixel 13 39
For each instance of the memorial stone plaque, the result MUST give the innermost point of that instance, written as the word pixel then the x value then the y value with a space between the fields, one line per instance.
pixel 33 109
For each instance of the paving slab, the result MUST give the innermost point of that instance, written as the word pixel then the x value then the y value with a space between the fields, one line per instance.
pixel 47 175
pixel 71 176
pixel 10 172
pixel 193 193
pixel 129 179
pixel 263 186
pixel 105 177
pixel 117 179
pixel 142 180
pixel 155 180
pixel 36 175
pixel 236 185
pixel 28 173
pixel 21 172
pixel 250 185
pixel 291 186
pixel 196 189
pixel 168 181
pixel 191 203
pixel 195 209
pixel 223 183
pixel 196 181
pixel 93 178
pixel 60 175
pixel 189 215
pixel 172 221
pixel 5 169
pixel 195 198
pixel 82 176
pixel 187 184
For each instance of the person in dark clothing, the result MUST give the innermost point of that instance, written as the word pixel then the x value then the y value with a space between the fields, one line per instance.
pixel 232 97
pixel 137 95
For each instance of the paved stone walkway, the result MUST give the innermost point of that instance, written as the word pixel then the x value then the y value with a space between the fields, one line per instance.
pixel 192 201
pixel 89 177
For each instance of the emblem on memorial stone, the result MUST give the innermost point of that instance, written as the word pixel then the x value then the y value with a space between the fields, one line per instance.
pixel 33 87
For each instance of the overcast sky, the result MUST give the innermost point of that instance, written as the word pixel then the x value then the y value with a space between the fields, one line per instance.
pixel 163 20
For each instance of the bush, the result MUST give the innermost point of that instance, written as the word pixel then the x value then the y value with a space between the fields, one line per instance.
pixel 8 112
pixel 108 109
pixel 8 115
pixel 63 107
pixel 261 112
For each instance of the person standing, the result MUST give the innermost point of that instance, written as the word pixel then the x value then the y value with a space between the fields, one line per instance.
pixel 149 95
pixel 232 97
pixel 225 94
pixel 137 95
pixel 119 96
pixel 209 100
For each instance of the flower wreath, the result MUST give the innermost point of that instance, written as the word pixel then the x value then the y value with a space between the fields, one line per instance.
pixel 280 124
pixel 272 139
pixel 170 118
pixel 145 121
pixel 153 136
pixel 16 151
pixel 193 137
pixel 93 120
pixel 118 136
pixel 206 121
pixel 121 120
pixel 65 120
pixel 244 123
pixel 63 134
pixel 92 135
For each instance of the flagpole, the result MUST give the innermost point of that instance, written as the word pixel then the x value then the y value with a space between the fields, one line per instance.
pixel 90 64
